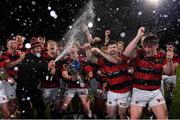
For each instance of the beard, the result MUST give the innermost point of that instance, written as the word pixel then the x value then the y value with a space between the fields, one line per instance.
pixel 113 53
pixel 14 47
pixel 149 54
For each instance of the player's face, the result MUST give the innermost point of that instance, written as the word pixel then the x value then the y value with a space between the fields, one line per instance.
pixel 73 49
pixel 120 47
pixel 149 50
pixel 112 49
pixel 42 40
pixel 52 46
pixel 37 50
pixel 12 45
pixel 170 48
pixel 19 39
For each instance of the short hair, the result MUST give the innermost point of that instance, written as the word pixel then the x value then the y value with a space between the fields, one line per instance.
pixel 170 43
pixel 150 39
pixel 111 43
pixel 60 43
pixel 51 41
pixel 120 42
pixel 40 35
pixel 9 39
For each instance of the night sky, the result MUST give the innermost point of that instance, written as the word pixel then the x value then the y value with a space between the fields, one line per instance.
pixel 123 17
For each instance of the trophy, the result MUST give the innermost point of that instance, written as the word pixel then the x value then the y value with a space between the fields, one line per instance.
pixel 74 68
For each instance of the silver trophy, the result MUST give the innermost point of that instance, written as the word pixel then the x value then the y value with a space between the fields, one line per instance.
pixel 73 70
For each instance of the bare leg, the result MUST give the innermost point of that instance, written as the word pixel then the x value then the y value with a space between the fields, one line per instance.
pixel 135 111
pixel 13 106
pixel 86 104
pixel 101 109
pixel 160 111
pixel 122 112
pixel 112 111
pixel 4 108
pixel 65 103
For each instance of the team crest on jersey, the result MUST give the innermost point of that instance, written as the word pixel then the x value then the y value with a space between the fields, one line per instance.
pixel 137 102
pixel 161 99
pixel 123 104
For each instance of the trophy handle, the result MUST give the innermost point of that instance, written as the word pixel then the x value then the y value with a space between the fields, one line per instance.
pixel 66 67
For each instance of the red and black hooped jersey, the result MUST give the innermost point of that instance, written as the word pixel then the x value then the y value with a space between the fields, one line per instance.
pixel 100 76
pixel 7 56
pixel 56 77
pixel 148 71
pixel 84 68
pixel 118 78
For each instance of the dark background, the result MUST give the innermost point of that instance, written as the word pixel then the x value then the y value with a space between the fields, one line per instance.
pixel 31 17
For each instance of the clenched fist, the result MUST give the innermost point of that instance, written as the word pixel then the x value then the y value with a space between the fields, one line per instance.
pixel 169 55
pixel 141 31
pixel 87 46
pixel 51 65
pixel 107 32
pixel 96 50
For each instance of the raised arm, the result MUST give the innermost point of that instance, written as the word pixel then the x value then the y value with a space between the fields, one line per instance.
pixel 89 54
pixel 88 34
pixel 12 64
pixel 105 55
pixel 107 33
pixel 129 50
pixel 169 67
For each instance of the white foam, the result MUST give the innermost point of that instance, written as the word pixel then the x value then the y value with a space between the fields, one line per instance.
pixel 75 33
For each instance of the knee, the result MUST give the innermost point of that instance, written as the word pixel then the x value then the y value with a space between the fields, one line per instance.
pixel 134 115
pixel 163 115
pixel 86 105
pixel 122 114
pixel 111 115
pixel 63 107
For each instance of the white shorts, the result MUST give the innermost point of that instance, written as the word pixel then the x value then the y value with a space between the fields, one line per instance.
pixel 143 97
pixel 3 95
pixel 11 90
pixel 169 81
pixel 70 92
pixel 51 94
pixel 120 99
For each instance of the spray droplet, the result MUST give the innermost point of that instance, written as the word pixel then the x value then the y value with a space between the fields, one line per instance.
pixel 38 55
pixel 49 7
pixel 98 19
pixel 90 24
pixel 123 34
pixel 27 45
pixel 139 13
pixel 176 42
pixel 33 2
pixel 28 98
pixel 53 14
pixel 16 68
pixel 70 27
